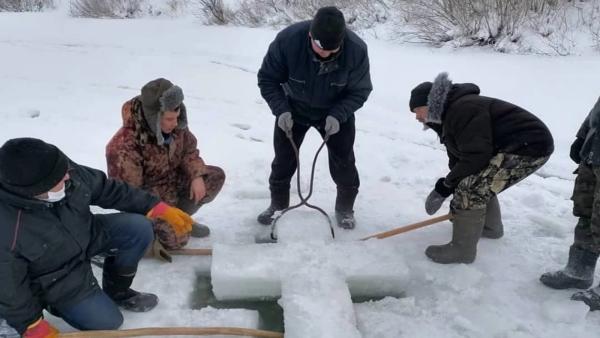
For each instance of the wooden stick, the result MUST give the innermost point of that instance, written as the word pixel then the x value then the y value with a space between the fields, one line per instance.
pixel 173 331
pixel 409 227
pixel 191 252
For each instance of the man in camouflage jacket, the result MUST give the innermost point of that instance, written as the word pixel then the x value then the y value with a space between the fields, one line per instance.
pixel 154 150
pixel 584 252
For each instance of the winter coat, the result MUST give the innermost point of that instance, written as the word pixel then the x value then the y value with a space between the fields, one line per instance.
pixel 292 78
pixel 45 248
pixel 590 151
pixel 475 128
pixel 134 156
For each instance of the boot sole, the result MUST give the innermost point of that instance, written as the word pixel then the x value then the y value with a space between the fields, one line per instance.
pixel 593 302
pixel 434 257
pixel 491 235
pixel 452 262
pixel 573 284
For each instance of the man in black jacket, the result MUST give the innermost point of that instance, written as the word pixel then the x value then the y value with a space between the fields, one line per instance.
pixel 315 74
pixel 491 145
pixel 48 235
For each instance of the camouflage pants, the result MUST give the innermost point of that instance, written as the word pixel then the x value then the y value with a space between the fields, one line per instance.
pixel 213 180
pixel 586 206
pixel 504 170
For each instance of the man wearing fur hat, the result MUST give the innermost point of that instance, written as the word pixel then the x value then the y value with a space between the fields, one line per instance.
pixel 315 74
pixel 154 150
pixel 491 145
pixel 584 252
pixel 48 236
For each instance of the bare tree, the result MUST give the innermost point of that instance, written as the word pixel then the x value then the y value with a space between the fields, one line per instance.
pixel 25 5
pixel 483 22
pixel 591 19
pixel 177 7
pixel 214 11
pixel 363 13
pixel 105 8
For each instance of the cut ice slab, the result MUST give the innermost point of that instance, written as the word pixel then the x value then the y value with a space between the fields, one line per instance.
pixel 323 274
pixel 319 307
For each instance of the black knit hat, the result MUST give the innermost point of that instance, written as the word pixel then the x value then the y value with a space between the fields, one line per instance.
pixel 419 95
pixel 328 28
pixel 30 167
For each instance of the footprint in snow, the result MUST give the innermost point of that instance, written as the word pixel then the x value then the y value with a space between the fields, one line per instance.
pixel 251 138
pixel 241 126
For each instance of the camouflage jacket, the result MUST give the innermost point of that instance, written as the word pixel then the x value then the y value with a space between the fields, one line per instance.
pixel 590 151
pixel 133 156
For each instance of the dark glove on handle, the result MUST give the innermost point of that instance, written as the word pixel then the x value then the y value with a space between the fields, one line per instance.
pixel 436 197
pixel 443 189
pixel 575 149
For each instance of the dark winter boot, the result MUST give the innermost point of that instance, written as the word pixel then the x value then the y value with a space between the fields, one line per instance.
pixel 280 199
pixel 116 282
pixel 345 219
pixel 578 274
pixel 344 204
pixel 466 230
pixel 199 230
pixel 493 227
pixel 590 297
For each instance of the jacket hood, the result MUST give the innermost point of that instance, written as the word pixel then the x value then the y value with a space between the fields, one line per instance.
pixel 443 93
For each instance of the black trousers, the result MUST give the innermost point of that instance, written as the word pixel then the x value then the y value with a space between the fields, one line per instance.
pixel 342 165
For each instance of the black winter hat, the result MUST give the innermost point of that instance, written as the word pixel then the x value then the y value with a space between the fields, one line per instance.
pixel 419 95
pixel 30 167
pixel 328 28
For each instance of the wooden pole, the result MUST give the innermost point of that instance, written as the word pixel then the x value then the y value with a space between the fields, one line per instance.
pixel 173 331
pixel 191 252
pixel 408 228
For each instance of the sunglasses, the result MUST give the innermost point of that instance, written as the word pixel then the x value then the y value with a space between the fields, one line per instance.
pixel 318 43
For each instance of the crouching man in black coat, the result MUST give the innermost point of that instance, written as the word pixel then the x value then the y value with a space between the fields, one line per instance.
pixel 491 145
pixel 48 236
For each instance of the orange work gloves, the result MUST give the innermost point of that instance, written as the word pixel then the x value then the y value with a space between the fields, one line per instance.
pixel 41 329
pixel 177 219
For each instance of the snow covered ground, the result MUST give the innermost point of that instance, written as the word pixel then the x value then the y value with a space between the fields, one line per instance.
pixel 64 80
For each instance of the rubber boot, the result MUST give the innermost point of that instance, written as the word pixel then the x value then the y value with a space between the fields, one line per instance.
pixel 590 297
pixel 578 274
pixel 493 227
pixel 116 282
pixel 280 199
pixel 199 230
pixel 344 205
pixel 467 226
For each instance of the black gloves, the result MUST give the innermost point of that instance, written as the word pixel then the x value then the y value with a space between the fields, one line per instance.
pixel 442 188
pixel 437 196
